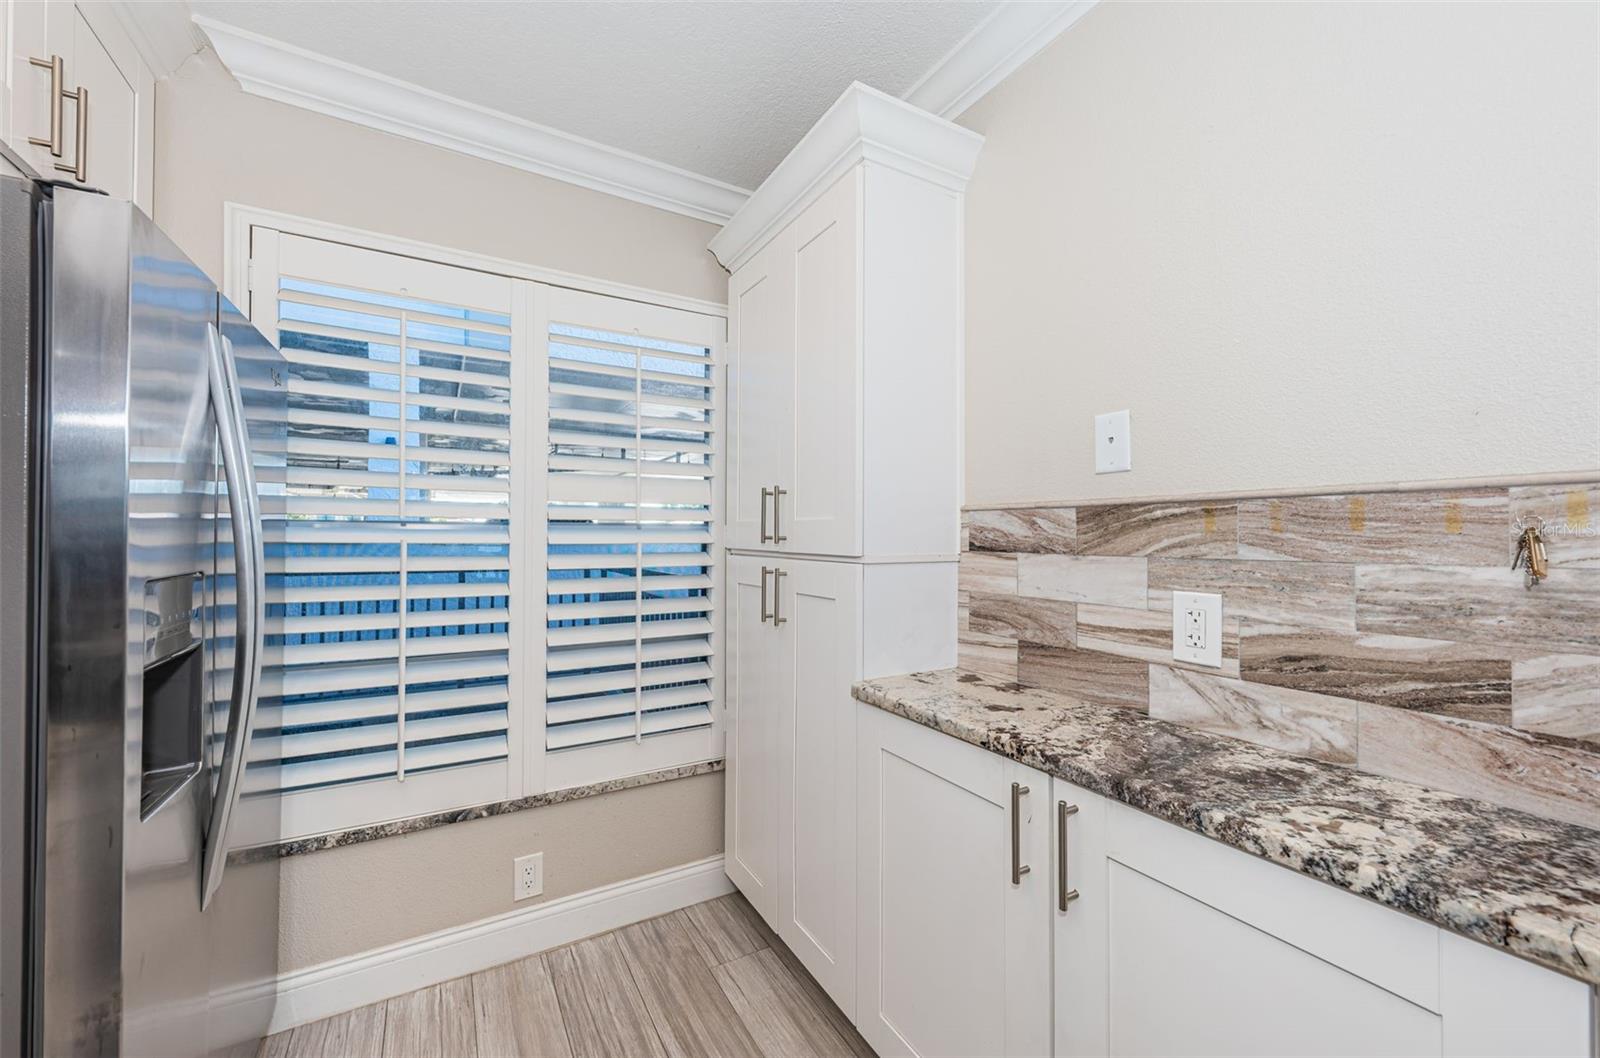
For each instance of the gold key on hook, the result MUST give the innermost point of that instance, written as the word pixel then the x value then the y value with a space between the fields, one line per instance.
pixel 1530 549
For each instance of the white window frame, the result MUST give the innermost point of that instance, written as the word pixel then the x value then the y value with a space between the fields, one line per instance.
pixel 307 813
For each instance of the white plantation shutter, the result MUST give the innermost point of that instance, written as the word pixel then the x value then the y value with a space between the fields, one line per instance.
pixel 492 564
pixel 632 580
pixel 390 586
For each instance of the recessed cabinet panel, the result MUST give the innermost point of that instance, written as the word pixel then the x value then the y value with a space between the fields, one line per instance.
pixel 110 123
pixel 1188 979
pixel 754 702
pixel 761 318
pixel 1079 908
pixel 83 54
pixel 954 946
pixel 824 508
pixel 820 602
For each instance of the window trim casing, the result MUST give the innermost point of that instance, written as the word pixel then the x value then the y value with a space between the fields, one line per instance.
pixel 238 219
pixel 527 776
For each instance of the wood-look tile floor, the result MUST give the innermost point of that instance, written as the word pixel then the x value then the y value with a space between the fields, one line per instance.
pixel 709 981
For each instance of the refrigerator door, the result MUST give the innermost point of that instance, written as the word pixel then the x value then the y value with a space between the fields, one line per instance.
pixel 18 397
pixel 138 630
pixel 244 910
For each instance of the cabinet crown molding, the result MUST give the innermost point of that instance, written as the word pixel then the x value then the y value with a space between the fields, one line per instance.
pixel 863 124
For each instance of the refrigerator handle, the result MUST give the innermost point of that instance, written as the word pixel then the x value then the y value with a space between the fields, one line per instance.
pixel 250 607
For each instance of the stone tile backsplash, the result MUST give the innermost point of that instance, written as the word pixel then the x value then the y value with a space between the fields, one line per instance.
pixel 1382 631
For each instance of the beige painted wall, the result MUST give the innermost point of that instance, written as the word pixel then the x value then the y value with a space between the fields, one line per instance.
pixel 349 900
pixel 1304 244
pixel 214 144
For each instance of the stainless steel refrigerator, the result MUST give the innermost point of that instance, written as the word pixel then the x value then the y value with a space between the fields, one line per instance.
pixel 136 405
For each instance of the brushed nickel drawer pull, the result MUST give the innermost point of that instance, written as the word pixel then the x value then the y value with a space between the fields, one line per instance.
pixel 79 171
pixel 1018 868
pixel 1064 895
pixel 54 65
pixel 766 537
pixel 777 598
pixel 764 614
pixel 777 518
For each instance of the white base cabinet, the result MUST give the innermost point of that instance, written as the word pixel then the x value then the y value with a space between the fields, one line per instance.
pixel 1145 938
pixel 954 876
pixel 1078 919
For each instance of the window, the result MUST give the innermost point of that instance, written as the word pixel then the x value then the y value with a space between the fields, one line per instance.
pixel 631 578
pixel 491 554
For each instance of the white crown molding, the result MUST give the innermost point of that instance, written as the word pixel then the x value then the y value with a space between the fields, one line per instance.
pixel 301 78
pixel 863 124
pixel 163 32
pixel 996 47
pixel 333 987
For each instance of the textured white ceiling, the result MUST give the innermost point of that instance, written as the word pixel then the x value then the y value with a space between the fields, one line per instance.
pixel 721 89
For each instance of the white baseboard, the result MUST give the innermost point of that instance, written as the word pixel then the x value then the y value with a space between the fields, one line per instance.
pixel 344 984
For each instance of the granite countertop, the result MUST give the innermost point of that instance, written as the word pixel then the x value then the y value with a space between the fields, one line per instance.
pixel 1507 878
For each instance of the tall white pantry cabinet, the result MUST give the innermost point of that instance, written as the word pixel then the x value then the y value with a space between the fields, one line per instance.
pixel 844 462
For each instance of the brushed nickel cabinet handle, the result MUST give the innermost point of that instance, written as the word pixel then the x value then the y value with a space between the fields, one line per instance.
pixel 766 537
pixel 1018 868
pixel 80 171
pixel 1064 895
pixel 777 598
pixel 764 614
pixel 54 65
pixel 777 519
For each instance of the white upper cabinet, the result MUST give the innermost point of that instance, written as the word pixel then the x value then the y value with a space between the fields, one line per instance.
pixel 823 513
pixel 761 397
pixel 79 100
pixel 845 338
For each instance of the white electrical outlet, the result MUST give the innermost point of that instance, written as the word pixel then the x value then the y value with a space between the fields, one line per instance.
pixel 1197 628
pixel 1113 442
pixel 527 876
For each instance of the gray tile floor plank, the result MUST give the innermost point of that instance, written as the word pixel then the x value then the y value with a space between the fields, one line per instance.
pixel 783 1018
pixel 726 929
pixel 351 1034
pixel 458 1029
pixel 306 1041
pixel 604 1013
pixel 705 982
pixel 686 1004
pixel 836 1017
pixel 516 1011
pixel 411 1027
pixel 276 1045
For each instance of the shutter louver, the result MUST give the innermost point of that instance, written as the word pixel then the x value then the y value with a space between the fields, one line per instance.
pixel 630 569
pixel 388 540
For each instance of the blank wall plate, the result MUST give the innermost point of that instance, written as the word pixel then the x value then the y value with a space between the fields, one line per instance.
pixel 1113 443
pixel 527 876
pixel 1197 628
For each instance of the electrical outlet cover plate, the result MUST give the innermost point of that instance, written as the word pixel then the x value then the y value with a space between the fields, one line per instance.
pixel 1197 628
pixel 527 876
pixel 1113 442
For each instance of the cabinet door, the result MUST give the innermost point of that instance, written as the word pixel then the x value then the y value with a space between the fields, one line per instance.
pixel 110 125
pixel 755 706
pixel 1079 904
pixel 822 513
pixel 955 948
pixel 819 604
pixel 761 389
pixel 39 30
pixel 1188 979
pixel 96 56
